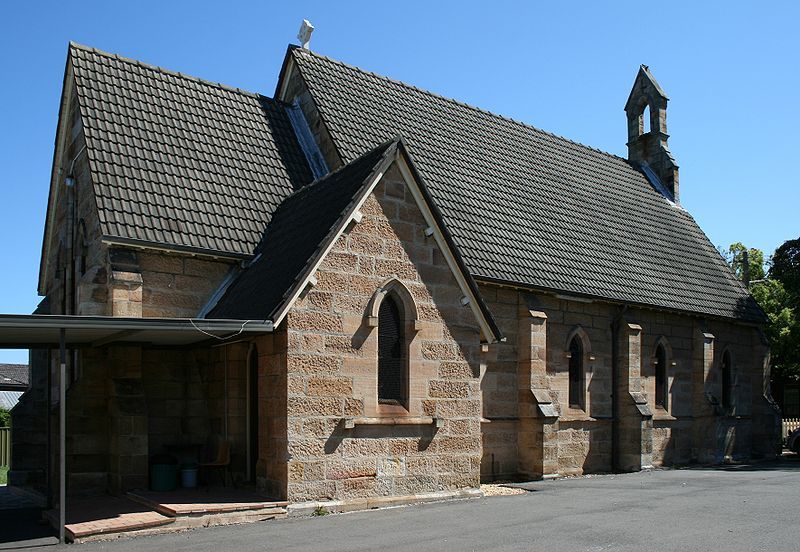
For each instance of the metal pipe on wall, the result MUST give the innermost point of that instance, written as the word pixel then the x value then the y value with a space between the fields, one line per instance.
pixel 62 446
pixel 225 378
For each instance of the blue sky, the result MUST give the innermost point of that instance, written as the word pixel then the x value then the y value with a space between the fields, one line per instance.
pixel 730 69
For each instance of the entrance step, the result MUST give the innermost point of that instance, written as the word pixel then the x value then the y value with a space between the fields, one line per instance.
pixel 194 502
pixel 103 516
pixel 146 512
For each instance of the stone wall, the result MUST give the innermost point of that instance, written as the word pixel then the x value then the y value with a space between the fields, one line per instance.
pixel 272 469
pixel 332 367
pixel 531 431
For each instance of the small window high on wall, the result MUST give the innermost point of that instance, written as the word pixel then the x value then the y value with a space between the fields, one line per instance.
pixel 392 380
pixel 661 377
pixel 727 381
pixel 576 392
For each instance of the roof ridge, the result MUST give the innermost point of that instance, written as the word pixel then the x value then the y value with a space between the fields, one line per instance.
pixel 457 102
pixel 170 72
pixel 325 177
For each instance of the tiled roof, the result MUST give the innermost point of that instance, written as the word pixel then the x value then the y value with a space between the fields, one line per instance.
pixel 294 238
pixel 13 375
pixel 180 161
pixel 527 207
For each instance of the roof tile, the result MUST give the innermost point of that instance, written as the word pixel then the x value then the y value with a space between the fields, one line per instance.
pixel 529 207
pixel 191 146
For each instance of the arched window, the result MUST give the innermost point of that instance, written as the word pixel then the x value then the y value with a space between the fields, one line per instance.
pixel 81 248
pixel 576 391
pixel 727 381
pixel 392 380
pixel 646 119
pixel 661 376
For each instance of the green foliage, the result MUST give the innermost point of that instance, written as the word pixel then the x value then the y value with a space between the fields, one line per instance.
pixel 320 511
pixel 5 418
pixel 779 297
pixel 735 255
pixel 3 475
pixel 783 328
pixel 786 266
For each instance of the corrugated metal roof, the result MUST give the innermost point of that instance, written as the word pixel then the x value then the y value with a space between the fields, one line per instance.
pixel 9 399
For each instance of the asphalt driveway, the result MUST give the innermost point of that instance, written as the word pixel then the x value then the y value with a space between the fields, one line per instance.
pixel 744 508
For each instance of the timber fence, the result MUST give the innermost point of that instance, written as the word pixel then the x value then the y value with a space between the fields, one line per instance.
pixel 789 425
pixel 5 447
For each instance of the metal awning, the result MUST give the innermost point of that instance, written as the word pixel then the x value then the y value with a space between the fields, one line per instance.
pixel 34 331
pixel 24 331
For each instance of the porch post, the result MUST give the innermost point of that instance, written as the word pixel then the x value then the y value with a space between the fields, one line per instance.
pixel 62 448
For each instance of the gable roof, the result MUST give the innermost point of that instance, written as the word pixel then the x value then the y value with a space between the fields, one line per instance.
pixel 309 221
pixel 527 207
pixel 14 376
pixel 179 161
pixel 294 237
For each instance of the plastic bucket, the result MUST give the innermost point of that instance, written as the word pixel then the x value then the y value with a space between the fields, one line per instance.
pixel 189 478
pixel 163 477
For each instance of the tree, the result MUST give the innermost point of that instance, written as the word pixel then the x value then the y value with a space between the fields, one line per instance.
pixel 782 330
pixel 747 264
pixel 5 418
pixel 786 266
pixel 779 297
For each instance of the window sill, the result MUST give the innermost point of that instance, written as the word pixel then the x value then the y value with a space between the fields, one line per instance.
pixel 662 416
pixel 575 418
pixel 350 423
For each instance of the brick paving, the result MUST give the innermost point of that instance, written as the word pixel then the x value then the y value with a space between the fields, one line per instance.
pixel 182 502
pixel 107 514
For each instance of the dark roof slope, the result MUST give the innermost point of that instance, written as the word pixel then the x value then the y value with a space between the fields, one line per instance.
pixel 14 375
pixel 294 237
pixel 528 207
pixel 180 161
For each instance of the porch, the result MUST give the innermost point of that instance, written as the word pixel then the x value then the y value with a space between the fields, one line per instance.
pixel 117 391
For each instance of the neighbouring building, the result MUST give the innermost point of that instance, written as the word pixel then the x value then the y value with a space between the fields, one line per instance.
pixel 427 295
pixel 13 383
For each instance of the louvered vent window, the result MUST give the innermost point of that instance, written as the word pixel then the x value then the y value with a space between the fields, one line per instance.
pixel 576 373
pixel 661 377
pixel 391 354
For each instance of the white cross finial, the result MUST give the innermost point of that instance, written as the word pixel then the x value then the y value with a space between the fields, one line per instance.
pixel 304 34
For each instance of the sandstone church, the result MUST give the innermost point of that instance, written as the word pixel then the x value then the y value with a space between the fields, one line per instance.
pixel 372 291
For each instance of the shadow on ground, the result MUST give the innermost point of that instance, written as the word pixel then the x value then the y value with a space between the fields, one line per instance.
pixel 788 461
pixel 23 528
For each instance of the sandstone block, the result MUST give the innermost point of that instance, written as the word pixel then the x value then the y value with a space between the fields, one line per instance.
pixel 329 386
pixel 313 364
pixel 449 389
pixel 314 321
pixel 347 469
pixel 317 406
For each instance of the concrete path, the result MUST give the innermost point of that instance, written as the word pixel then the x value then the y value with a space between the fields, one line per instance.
pixel 732 509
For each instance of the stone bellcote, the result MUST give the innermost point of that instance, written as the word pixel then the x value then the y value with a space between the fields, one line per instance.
pixel 647 143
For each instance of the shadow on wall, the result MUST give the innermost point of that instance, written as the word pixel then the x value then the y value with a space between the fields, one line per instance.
pixel 424 434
